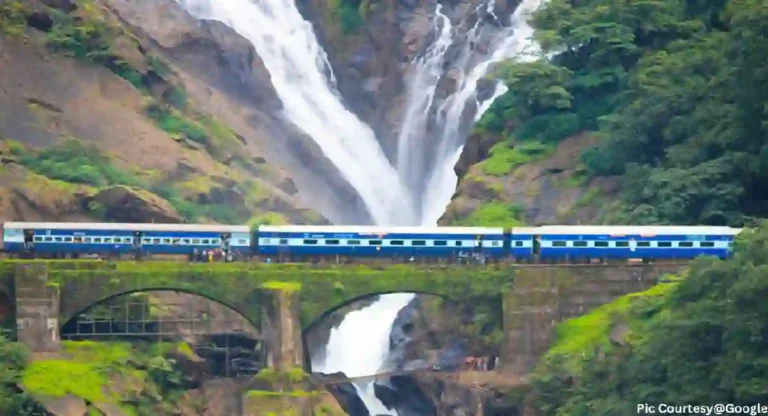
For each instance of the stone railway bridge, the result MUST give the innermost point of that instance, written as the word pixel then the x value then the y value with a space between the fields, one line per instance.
pixel 283 299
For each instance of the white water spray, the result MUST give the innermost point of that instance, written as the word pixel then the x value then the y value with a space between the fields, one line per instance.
pixel 305 84
pixel 358 347
pixel 438 181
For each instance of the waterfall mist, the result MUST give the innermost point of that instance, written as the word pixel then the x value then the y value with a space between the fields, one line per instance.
pixel 357 347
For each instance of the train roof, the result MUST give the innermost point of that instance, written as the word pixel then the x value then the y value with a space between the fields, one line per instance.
pixel 365 229
pixel 126 227
pixel 627 230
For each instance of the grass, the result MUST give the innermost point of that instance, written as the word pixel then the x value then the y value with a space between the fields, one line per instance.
pixel 75 162
pixel 504 159
pixel 288 287
pixel 494 214
pixel 84 375
pixel 176 124
pixel 13 18
pixel 577 337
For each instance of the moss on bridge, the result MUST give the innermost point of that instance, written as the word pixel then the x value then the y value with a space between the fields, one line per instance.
pixel 238 285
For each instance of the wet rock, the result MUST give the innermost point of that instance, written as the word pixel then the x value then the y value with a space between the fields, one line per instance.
pixel 405 396
pixel 346 395
pixel 124 204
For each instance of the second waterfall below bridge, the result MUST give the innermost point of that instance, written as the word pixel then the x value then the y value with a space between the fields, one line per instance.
pixel 359 346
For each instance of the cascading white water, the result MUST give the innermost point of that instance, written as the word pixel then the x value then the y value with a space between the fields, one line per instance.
pixel 357 347
pixel 438 181
pixel 304 83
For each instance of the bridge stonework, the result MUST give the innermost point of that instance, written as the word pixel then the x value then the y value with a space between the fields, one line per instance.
pixel 283 299
pixel 543 296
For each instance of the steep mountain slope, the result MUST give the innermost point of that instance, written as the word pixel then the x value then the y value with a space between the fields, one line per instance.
pixel 89 102
pixel 672 97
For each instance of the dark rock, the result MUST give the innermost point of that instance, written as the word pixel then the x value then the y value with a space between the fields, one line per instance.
pixel 289 186
pixel 124 204
pixel 41 21
pixel 346 395
pixel 406 397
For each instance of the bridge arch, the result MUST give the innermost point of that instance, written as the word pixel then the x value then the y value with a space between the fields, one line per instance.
pixel 68 314
pixel 330 311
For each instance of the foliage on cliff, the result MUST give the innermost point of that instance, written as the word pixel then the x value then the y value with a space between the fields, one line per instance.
pixel 13 359
pixel 141 379
pixel 218 181
pixel 677 90
pixel 702 339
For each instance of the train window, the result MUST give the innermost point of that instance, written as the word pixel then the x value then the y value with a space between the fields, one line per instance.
pixel 49 239
pixel 205 241
pixel 284 241
pixel 146 240
pixel 241 241
pixel 685 244
pixel 579 243
pixel 707 244
pixel 396 243
pixel 353 242
pixel 68 239
pixel 458 244
pixel 176 241
pixel 559 243
pixel 601 244
pixel 496 243
pixel 107 239
pixel 86 239
pixel 59 239
pixel 166 241
pixel 97 239
pixel 77 239
pixel 519 243
pixel 418 243
pixel 310 242
pixel 156 241
pixel 374 242
pixel 195 241
pixel 332 242
pixel 184 241
pixel 622 244
pixel 439 243
pixel 664 244
pixel 643 243
pixel 38 238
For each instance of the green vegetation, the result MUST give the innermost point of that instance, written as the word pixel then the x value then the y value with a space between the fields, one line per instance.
pixel 13 18
pixel 13 359
pixel 678 89
pixel 699 339
pixel 101 372
pixel 175 124
pixel 506 156
pixel 348 14
pixel 75 162
pixel 494 214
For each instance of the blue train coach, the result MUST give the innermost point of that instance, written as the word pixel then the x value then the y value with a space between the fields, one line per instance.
pixel 114 239
pixel 624 242
pixel 370 241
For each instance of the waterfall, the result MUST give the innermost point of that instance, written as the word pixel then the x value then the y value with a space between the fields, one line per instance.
pixel 359 348
pixel 450 122
pixel 305 84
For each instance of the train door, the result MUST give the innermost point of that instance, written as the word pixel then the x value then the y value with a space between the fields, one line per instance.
pixel 138 236
pixel 29 241
pixel 478 250
pixel 226 242
pixel 537 247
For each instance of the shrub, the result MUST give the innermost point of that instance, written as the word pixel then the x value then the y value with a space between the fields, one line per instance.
pixel 75 162
pixel 176 125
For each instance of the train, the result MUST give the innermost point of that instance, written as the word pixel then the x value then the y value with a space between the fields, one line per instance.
pixel 274 242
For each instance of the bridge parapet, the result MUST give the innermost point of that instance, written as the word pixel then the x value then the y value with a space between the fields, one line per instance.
pixel 37 308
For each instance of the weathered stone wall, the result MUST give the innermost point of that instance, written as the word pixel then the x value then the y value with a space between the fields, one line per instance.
pixel 281 328
pixel 542 296
pixel 37 309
